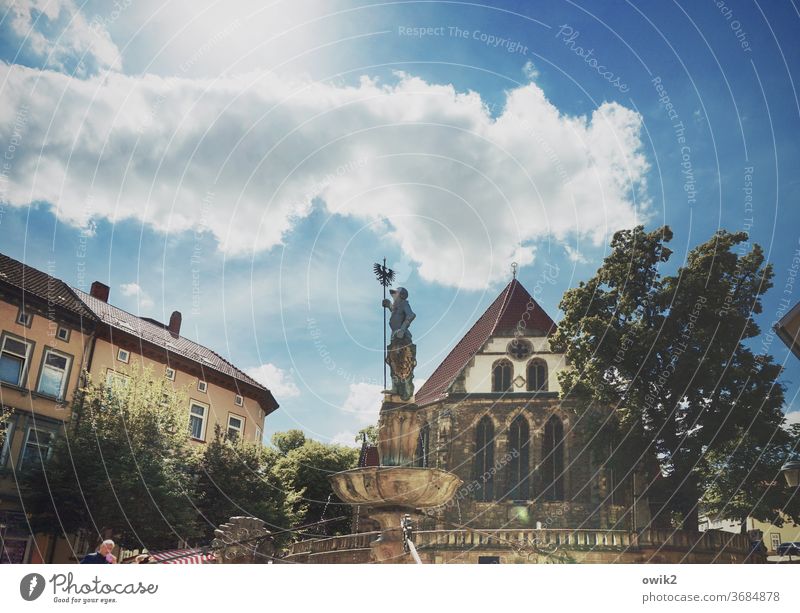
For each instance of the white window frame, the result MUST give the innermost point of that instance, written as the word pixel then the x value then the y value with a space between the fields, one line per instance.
pixel 49 445
pixel 169 373
pixel 65 336
pixel 259 436
pixel 202 386
pixel 26 359
pixel 126 353
pixel 66 372
pixel 774 540
pixel 203 419
pixel 239 431
pixel 112 376
pixel 238 400
pixel 25 318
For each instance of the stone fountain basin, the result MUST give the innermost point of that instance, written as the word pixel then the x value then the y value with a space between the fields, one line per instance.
pixel 395 485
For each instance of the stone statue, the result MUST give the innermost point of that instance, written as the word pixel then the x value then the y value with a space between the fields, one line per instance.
pixel 401 354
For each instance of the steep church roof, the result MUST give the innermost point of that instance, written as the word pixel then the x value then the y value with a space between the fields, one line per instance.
pixel 500 319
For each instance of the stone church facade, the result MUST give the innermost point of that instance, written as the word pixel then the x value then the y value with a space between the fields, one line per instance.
pixel 493 413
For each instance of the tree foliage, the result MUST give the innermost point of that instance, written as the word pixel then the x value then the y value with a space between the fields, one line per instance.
pixel 691 404
pixel 122 467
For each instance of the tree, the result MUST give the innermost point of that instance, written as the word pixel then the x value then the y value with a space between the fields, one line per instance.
pixel 370 434
pixel 690 402
pixel 305 469
pixel 237 478
pixel 123 466
pixel 286 441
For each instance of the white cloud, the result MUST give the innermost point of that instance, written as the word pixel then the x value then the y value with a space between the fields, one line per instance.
pixel 134 290
pixel 346 438
pixel 277 380
pixel 793 418
pixel 530 70
pixel 462 193
pixel 56 33
pixel 364 402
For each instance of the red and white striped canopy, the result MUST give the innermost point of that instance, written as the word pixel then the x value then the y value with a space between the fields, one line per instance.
pixel 182 556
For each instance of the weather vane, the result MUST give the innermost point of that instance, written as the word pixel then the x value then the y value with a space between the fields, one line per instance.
pixel 385 278
pixel 514 267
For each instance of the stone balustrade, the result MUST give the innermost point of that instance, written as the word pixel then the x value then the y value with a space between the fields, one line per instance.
pixel 542 540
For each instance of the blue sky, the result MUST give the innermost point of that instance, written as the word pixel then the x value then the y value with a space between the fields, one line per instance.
pixel 246 165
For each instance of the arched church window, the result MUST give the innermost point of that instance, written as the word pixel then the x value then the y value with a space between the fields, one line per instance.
pixel 553 459
pixel 519 440
pixel 483 460
pixel 423 446
pixel 537 376
pixel 502 373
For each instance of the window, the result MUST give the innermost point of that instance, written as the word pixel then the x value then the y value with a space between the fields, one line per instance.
pixel 774 541
pixel 169 373
pixel 238 400
pixel 483 463
pixel 502 372
pixel 38 446
pixel 202 386
pixel 54 373
pixel 24 318
pixel 488 559
pixel 14 360
pixel 6 435
pixel 519 440
pixel 197 421
pixel 537 376
pixel 259 435
pixel 423 446
pixel 553 459
pixel 235 426
pixel 123 355
pixel 62 334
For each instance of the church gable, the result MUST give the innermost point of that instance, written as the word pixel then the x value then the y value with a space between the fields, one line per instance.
pixel 514 313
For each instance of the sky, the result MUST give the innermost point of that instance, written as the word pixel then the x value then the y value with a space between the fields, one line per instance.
pixel 246 163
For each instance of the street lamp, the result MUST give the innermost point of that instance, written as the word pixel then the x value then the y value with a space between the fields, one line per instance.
pixel 791 470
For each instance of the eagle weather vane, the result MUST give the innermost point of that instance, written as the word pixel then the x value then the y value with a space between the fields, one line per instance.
pixel 400 354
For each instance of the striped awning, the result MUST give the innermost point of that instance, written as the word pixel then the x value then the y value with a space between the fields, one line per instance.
pixel 182 556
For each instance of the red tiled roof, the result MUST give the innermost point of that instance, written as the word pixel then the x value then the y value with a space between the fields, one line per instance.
pixel 501 318
pixel 368 456
pixel 159 335
pixel 40 284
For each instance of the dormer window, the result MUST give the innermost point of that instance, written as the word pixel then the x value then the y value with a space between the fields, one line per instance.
pixel 502 374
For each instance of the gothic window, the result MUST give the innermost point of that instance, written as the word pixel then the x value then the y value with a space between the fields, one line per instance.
pixel 483 460
pixel 537 376
pixel 502 373
pixel 519 452
pixel 553 459
pixel 423 446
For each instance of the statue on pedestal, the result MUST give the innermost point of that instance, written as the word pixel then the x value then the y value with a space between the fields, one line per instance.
pixel 401 353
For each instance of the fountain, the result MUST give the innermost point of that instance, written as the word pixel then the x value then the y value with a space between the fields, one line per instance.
pixel 396 487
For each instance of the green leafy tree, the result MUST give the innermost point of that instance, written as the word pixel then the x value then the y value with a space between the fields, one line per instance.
pixel 289 440
pixel 689 401
pixel 305 469
pixel 237 478
pixel 370 434
pixel 122 467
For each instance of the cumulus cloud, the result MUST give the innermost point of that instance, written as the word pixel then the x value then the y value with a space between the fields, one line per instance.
pixel 134 290
pixel 793 418
pixel 363 402
pixel 56 34
pixel 463 193
pixel 277 380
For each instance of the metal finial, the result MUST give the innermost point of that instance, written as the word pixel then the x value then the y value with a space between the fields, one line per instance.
pixel 514 267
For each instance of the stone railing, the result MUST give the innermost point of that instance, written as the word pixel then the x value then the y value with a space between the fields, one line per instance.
pixel 544 539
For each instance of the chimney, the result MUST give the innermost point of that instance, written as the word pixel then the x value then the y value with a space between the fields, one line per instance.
pixel 99 291
pixel 175 323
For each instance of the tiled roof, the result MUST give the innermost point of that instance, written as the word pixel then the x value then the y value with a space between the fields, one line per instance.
pixel 158 335
pixel 501 318
pixel 40 284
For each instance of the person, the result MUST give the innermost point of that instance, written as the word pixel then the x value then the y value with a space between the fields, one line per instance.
pixel 102 555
